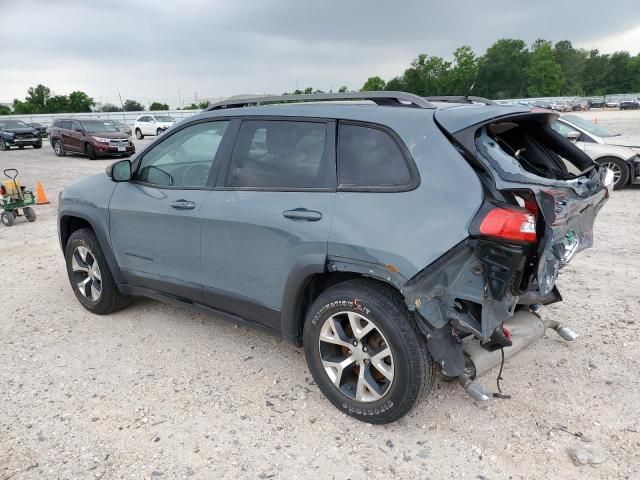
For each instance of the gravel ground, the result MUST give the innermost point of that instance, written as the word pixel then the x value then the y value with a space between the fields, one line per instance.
pixel 156 391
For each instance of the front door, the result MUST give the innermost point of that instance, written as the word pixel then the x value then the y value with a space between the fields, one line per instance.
pixel 155 219
pixel 269 217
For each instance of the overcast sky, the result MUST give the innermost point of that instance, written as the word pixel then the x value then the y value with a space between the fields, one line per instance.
pixel 171 50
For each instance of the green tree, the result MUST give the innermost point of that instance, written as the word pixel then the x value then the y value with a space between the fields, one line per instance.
pixel 133 106
pixel 396 84
pixel 58 104
pixel 20 107
pixel 619 77
pixel 373 84
pixel 343 88
pixel 572 63
pixel 37 97
pixel 4 110
pixel 595 73
pixel 158 106
pixel 427 76
pixel 80 102
pixel 502 71
pixel 544 76
pixel 109 107
pixel 463 74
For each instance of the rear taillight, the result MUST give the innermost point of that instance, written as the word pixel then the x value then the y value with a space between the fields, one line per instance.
pixel 509 224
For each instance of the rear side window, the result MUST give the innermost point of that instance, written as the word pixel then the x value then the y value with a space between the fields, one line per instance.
pixel 65 124
pixel 281 155
pixel 370 157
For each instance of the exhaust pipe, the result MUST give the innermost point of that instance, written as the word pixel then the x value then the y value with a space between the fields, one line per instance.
pixel 526 327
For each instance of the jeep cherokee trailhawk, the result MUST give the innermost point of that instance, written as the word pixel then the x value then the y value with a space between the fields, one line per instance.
pixel 389 235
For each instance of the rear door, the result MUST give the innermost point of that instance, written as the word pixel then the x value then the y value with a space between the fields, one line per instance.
pixel 268 221
pixel 155 219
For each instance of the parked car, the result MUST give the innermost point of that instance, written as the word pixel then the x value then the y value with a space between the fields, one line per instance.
pixel 561 106
pixel 378 238
pixel 121 126
pixel 152 125
pixel 93 138
pixel 16 133
pixel 595 103
pixel 630 104
pixel 620 153
pixel 42 130
pixel 579 106
pixel 612 103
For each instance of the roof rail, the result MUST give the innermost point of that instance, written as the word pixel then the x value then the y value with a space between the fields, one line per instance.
pixel 400 99
pixel 461 99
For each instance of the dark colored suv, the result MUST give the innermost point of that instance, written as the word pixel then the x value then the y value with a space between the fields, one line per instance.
pixel 93 138
pixel 389 236
pixel 16 133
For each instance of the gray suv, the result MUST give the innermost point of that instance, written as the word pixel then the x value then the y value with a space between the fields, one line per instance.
pixel 390 235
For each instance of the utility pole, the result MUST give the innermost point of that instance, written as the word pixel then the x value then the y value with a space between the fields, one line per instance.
pixel 124 117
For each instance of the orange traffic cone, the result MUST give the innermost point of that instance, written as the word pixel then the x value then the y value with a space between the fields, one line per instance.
pixel 41 198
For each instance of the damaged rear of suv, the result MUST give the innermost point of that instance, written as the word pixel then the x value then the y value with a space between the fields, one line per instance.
pixel 389 237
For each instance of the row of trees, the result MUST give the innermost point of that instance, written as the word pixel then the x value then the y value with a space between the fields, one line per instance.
pixel 40 100
pixel 510 69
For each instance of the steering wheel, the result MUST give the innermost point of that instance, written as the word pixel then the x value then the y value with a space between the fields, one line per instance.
pixel 196 175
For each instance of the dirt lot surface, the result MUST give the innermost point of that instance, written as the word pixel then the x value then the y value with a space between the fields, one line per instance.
pixel 156 391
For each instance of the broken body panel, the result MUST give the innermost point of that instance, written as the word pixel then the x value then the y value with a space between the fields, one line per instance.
pixel 481 283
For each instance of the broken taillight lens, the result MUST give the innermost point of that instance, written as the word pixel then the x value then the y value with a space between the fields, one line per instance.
pixel 509 224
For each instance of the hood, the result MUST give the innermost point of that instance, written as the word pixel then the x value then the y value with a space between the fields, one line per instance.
pixel 623 140
pixel 119 135
pixel 20 130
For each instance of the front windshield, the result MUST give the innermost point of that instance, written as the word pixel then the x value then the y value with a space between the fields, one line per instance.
pixel 93 126
pixel 164 118
pixel 13 124
pixel 590 126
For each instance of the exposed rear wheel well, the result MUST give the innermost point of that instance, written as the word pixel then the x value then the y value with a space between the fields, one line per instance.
pixel 68 225
pixel 323 281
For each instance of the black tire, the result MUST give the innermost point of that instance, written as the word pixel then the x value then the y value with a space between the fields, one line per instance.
pixel 37 145
pixel 3 145
pixel 7 218
pixel 90 151
pixel 139 134
pixel 413 369
pixel 620 168
pixel 158 132
pixel 110 299
pixel 58 148
pixel 21 147
pixel 30 214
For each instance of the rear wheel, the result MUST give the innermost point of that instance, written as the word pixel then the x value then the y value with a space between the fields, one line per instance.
pixel 90 276
pixel 57 148
pixel 30 214
pixel 619 169
pixel 365 352
pixel 139 134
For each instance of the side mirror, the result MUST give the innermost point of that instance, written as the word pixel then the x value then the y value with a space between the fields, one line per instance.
pixel 120 171
pixel 79 130
pixel 573 136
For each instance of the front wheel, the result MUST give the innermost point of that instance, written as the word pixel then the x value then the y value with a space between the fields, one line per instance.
pixel 7 218
pixel 158 132
pixel 90 151
pixel 365 352
pixel 90 276
pixel 57 148
pixel 3 144
pixel 619 169
pixel 37 145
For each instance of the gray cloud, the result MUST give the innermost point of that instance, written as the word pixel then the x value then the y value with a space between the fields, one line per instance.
pixel 150 49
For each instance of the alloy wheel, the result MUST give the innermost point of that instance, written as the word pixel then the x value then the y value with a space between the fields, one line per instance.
pixel 356 356
pixel 617 173
pixel 86 273
pixel 57 148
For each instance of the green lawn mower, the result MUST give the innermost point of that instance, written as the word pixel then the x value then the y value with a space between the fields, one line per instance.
pixel 15 199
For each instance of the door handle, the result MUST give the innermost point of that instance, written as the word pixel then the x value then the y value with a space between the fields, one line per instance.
pixel 302 214
pixel 183 205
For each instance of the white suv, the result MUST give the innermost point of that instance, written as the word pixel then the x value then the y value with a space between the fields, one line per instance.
pixel 152 125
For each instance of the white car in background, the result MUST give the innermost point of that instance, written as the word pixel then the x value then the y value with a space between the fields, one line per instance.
pixel 152 125
pixel 620 153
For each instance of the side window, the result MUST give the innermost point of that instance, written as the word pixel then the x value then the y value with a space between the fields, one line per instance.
pixel 65 124
pixel 562 128
pixel 143 119
pixel 57 123
pixel 370 157
pixel 75 126
pixel 185 158
pixel 281 154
